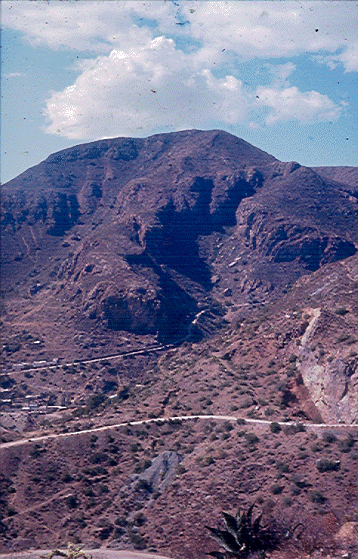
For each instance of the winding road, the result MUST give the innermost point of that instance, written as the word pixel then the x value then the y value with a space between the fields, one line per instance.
pixel 171 347
pixel 34 438
pixel 49 365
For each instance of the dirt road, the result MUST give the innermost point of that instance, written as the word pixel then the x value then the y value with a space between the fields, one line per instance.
pixel 96 554
pixel 34 438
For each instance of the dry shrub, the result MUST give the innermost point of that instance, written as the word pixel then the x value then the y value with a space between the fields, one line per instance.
pixel 312 533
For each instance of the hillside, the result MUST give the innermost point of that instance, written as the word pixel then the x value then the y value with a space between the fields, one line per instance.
pixel 185 274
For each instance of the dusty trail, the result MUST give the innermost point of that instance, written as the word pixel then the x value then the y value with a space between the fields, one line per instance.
pixel 34 438
pixel 171 347
pixel 59 495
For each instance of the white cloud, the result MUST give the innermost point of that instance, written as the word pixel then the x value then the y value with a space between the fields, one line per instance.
pixel 292 104
pixel 349 58
pixel 140 80
pixel 328 60
pixel 83 25
pixel 275 29
pixel 14 75
pixel 159 87
pixel 232 101
pixel 244 29
pixel 129 93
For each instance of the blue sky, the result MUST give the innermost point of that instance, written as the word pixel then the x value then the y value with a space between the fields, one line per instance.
pixel 280 74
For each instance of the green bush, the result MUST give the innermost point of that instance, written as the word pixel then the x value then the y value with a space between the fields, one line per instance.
pixel 317 497
pixel 282 467
pixel 329 437
pixel 36 451
pixel 106 532
pixel 71 501
pixel 10 511
pixel 6 381
pixel 346 338
pixel 251 438
pixel 293 429
pixel 326 465
pixel 275 427
pixel 276 489
pixel 139 519
pixel 66 477
pixel 144 485
pixel 98 457
pixel 93 440
pixel 346 445
pixel 341 311
pixel 316 447
pixel 118 532
pixel 137 540
pixel 95 400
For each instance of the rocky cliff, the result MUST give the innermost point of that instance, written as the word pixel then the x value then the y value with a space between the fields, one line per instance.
pixel 142 234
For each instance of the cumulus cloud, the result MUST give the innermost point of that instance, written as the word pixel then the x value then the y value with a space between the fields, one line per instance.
pixel 157 86
pixel 292 104
pixel 349 58
pixel 131 92
pixel 143 76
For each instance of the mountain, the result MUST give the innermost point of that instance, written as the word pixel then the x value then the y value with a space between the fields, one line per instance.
pixel 141 235
pixel 345 176
pixel 181 274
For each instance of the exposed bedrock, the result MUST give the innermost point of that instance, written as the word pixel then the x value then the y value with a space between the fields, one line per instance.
pixel 332 387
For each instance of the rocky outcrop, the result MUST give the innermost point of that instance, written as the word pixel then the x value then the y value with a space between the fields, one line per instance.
pixel 332 387
pixel 142 310
pixel 279 240
pixel 332 384
pixel 347 535
pixel 161 472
